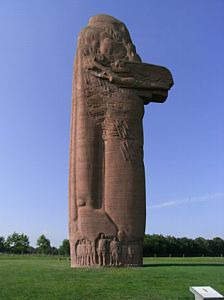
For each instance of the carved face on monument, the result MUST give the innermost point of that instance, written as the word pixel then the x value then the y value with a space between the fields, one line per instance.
pixel 113 41
pixel 113 49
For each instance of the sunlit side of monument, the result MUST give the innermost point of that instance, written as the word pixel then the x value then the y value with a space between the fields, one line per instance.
pixel 107 181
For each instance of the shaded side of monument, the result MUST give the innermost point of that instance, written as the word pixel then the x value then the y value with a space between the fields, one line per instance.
pixel 107 206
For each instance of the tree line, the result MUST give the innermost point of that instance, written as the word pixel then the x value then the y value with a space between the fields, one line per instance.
pixel 154 245
pixel 19 244
pixel 165 246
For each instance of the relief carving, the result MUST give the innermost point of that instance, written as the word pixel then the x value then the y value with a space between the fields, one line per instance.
pixel 114 252
pixel 102 250
pixel 108 251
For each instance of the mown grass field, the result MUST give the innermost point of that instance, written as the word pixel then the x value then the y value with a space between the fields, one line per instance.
pixel 31 277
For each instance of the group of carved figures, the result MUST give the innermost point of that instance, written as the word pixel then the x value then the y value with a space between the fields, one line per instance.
pixel 107 251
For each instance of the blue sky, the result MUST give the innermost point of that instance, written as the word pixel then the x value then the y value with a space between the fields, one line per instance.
pixel 184 142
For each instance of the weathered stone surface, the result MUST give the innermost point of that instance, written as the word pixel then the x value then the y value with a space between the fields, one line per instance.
pixel 107 180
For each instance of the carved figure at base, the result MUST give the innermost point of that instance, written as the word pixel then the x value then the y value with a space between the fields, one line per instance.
pixel 131 254
pixel 102 250
pixel 79 253
pixel 93 253
pixel 89 256
pixel 83 252
pixel 114 252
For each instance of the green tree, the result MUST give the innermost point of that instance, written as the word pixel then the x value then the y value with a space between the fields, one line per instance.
pixel 44 245
pixel 216 246
pixel 155 244
pixel 64 249
pixel 188 247
pixel 17 243
pixel 202 247
pixel 54 251
pixel 2 244
pixel 32 250
pixel 173 247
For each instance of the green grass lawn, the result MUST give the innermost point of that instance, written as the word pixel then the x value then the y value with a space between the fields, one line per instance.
pixel 31 277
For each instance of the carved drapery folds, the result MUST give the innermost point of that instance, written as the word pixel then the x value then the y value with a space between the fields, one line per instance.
pixel 106 180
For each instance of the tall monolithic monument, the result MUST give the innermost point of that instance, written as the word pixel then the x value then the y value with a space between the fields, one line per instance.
pixel 107 205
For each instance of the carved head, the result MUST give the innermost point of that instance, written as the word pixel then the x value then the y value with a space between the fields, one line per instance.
pixel 102 235
pixel 107 36
pixel 107 42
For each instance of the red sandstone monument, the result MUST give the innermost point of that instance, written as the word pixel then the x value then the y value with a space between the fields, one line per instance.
pixel 106 180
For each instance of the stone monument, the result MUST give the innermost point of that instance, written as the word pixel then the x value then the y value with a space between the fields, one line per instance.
pixel 107 208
